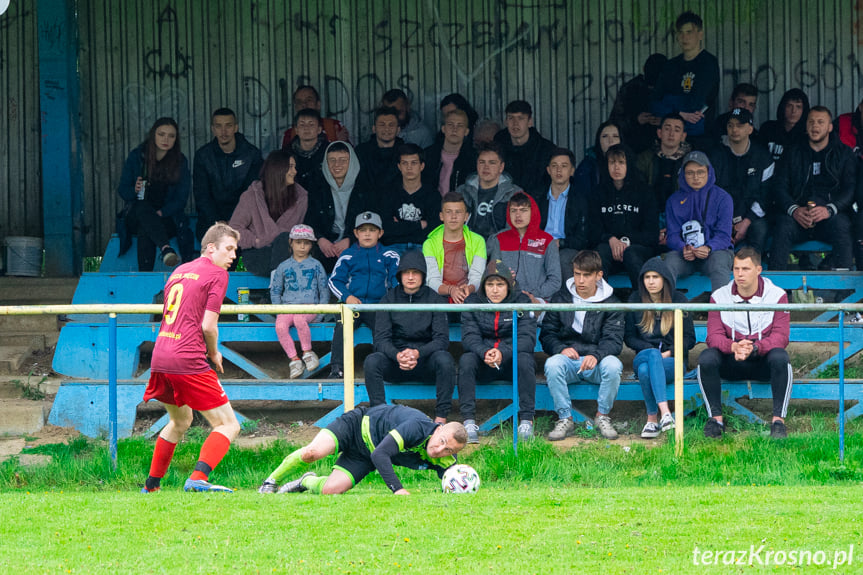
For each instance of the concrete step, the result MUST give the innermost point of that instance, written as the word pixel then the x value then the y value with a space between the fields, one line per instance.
pixel 20 416
pixel 11 385
pixel 35 291
pixel 12 357
pixel 44 324
pixel 35 341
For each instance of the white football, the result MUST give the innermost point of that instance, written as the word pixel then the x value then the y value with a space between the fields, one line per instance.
pixel 460 478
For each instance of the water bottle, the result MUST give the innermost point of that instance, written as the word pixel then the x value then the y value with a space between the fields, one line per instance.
pixel 242 299
pixel 143 191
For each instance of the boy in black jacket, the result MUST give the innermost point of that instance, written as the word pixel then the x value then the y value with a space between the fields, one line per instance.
pixel 452 158
pixel 583 345
pixel 411 346
pixel 487 339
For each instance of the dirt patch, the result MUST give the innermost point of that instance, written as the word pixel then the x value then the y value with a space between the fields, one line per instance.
pixel 11 446
pixel 52 434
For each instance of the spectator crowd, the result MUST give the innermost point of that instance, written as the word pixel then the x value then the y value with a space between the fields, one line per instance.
pixel 488 214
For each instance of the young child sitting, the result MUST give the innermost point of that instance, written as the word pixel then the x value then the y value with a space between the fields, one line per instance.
pixel 363 274
pixel 300 279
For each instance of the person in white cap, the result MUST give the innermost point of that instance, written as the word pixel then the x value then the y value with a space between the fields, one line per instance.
pixel 362 274
pixel 300 279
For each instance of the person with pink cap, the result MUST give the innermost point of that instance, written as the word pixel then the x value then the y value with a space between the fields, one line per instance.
pixel 300 279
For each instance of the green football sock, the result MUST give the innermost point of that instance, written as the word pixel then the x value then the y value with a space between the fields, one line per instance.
pixel 315 484
pixel 288 464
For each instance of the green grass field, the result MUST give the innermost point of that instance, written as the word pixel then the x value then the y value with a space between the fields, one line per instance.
pixel 596 508
pixel 515 529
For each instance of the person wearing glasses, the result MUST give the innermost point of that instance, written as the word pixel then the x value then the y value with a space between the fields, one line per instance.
pixel 699 217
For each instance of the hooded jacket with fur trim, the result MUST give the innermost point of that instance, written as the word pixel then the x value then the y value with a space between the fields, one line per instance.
pixel 482 331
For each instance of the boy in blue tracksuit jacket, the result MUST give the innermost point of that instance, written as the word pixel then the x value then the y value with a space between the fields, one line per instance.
pixel 363 274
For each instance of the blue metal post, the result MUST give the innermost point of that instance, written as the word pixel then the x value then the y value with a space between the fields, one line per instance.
pixel 112 386
pixel 841 386
pixel 515 382
pixel 62 174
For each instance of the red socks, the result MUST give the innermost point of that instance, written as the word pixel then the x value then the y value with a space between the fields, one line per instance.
pixel 162 456
pixel 212 452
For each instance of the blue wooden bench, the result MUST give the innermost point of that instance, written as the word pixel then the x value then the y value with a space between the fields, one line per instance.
pixel 84 405
pixel 82 349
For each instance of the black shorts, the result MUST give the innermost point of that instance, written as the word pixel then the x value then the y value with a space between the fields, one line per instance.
pixel 354 459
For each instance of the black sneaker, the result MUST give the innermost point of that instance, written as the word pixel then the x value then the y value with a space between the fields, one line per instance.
pixel 778 430
pixel 336 372
pixel 713 428
pixel 170 257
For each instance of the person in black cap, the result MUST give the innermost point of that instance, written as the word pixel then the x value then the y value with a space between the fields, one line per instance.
pixel 744 168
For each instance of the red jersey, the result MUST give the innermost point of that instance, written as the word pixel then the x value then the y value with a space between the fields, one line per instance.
pixel 192 289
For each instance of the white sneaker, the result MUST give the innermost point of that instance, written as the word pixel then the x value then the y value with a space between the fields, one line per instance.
pixel 603 423
pixel 525 429
pixel 296 368
pixel 666 423
pixel 651 430
pixel 562 429
pixel 311 360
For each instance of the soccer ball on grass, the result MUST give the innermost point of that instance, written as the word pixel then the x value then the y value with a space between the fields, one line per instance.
pixel 460 478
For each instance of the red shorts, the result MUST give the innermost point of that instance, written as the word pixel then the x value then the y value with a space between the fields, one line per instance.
pixel 200 391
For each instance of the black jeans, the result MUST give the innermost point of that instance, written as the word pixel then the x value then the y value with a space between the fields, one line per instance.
pixel 713 366
pixel 155 231
pixel 262 261
pixel 439 365
pixel 471 368
pixel 835 231
pixel 633 258
pixel 337 350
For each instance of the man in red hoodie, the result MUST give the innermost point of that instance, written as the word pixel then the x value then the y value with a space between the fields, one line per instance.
pixel 745 345
pixel 530 253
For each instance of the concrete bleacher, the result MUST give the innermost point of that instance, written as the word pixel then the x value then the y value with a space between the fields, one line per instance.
pixel 82 351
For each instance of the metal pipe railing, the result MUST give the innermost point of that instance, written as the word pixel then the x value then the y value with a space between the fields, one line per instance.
pixel 346 313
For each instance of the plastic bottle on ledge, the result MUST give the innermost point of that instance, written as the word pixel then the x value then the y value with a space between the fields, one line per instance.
pixel 243 299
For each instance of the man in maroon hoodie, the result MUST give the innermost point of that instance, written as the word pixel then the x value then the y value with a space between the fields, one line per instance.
pixel 744 345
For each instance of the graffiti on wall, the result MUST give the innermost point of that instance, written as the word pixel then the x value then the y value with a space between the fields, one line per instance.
pixel 167 58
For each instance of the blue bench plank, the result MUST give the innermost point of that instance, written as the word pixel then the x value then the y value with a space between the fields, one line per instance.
pixel 82 348
pixel 84 406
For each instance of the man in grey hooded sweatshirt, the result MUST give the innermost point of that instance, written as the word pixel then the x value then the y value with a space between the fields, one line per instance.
pixel 335 201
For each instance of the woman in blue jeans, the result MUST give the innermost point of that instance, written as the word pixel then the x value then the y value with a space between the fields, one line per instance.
pixel 651 335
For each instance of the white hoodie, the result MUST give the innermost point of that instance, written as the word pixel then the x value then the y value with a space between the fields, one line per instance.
pixel 603 292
